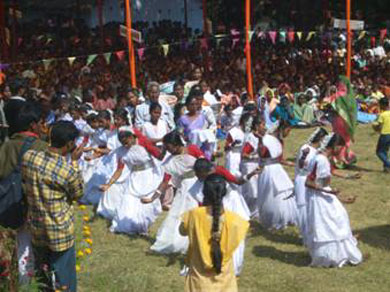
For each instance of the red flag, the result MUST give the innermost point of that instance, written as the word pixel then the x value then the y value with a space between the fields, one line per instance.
pixel 120 55
pixel 272 35
pixel 141 52
pixel 291 36
pixel 383 33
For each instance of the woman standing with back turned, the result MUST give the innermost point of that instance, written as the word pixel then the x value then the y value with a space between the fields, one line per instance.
pixel 214 234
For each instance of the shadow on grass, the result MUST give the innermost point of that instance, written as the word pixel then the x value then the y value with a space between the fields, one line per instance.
pixel 288 236
pixel 376 236
pixel 172 259
pixel 298 259
pixel 361 169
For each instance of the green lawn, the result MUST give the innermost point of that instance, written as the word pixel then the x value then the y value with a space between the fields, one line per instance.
pixel 273 262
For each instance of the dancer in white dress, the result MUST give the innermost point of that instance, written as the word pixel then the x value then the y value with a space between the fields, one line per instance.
pixel 178 169
pixel 329 236
pixel 233 146
pixel 156 128
pixel 277 208
pixel 128 214
pixel 303 168
pixel 108 163
pixel 250 162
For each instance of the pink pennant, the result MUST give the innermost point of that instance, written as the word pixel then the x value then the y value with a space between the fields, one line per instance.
pixel 234 32
pixel 141 52
pixel 261 34
pixel 120 55
pixel 203 44
pixel 291 36
pixel 383 33
pixel 272 35
pixel 20 40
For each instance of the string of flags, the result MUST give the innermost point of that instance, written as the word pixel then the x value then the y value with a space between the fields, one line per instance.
pixel 235 37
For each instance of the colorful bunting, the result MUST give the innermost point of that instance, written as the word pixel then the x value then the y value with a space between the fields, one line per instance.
pixel 203 44
pixel 282 36
pixel 362 34
pixel 91 58
pixel 107 56
pixel 46 63
pixel 251 32
pixel 120 55
pixel 382 34
pixel 291 36
pixel 299 35
pixel 141 52
pixel 272 35
pixel 310 35
pixel 165 49
pixel 261 34
pixel 71 60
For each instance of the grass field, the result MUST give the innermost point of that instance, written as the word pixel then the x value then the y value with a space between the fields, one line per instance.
pixel 273 262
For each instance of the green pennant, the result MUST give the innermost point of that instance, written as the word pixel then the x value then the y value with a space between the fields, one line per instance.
pixel 91 58
pixel 107 56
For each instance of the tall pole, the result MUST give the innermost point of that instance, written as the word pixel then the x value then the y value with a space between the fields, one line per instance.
pixel 14 39
pixel 130 45
pixel 349 39
pixel 248 49
pixel 186 16
pixel 100 18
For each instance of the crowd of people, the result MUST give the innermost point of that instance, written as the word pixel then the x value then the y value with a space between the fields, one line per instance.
pixel 79 133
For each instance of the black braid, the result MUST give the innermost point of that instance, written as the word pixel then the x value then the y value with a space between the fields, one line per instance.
pixel 214 190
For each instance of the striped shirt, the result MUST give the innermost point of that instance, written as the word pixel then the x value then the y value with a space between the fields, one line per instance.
pixel 51 184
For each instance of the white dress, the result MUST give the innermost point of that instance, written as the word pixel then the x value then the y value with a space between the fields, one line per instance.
pixel 329 236
pixel 233 202
pixel 155 131
pixel 129 214
pixel 275 211
pixel 250 188
pixel 168 239
pixel 233 156
pixel 103 170
pixel 300 185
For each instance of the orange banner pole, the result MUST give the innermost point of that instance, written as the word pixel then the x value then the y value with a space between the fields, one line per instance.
pixel 248 49
pixel 349 39
pixel 130 45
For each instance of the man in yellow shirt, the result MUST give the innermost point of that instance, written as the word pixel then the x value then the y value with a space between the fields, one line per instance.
pixel 383 125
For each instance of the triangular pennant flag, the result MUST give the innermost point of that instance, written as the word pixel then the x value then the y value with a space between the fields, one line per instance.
pixel 235 32
pixel 282 36
pixel 165 49
pixel 235 41
pixel 260 34
pixel 291 36
pixel 218 42
pixel 71 60
pixel 218 36
pixel 141 52
pixel 362 34
pixel 251 32
pixel 382 34
pixel 310 35
pixel 120 55
pixel 373 41
pixel 46 63
pixel 20 40
pixel 107 56
pixel 272 35
pixel 91 58
pixel 203 44
pixel 299 35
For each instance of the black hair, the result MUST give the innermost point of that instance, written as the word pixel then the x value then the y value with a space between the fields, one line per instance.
pixel 122 113
pixel 244 118
pixel 177 84
pixel 256 121
pixel 321 133
pixel 91 118
pixel 124 134
pixel 195 92
pixel 173 138
pixel 190 98
pixel 153 106
pixel 249 107
pixel 104 114
pixel 30 112
pixel 214 190
pixel 227 108
pixel 62 132
pixel 177 111
pixel 203 165
pixel 335 141
pixel 384 102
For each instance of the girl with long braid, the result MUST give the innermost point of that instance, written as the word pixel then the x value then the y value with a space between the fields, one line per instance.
pixel 214 234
